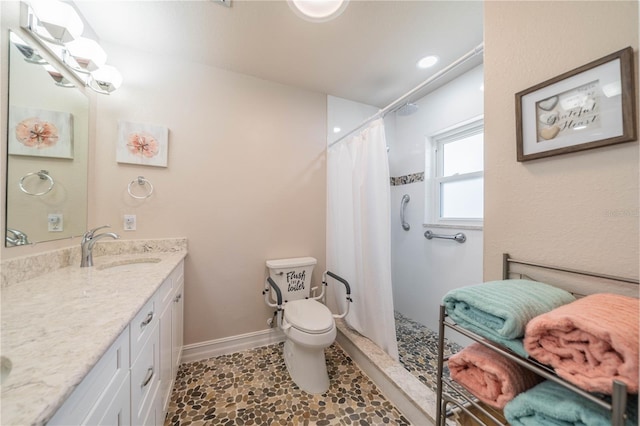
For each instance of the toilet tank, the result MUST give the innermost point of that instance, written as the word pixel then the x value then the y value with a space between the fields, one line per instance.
pixel 292 276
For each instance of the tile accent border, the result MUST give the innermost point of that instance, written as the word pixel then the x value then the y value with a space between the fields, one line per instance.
pixel 410 178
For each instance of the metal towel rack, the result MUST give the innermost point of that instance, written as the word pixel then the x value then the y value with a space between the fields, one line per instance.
pixel 459 237
pixel 142 182
pixel 403 205
pixel 43 175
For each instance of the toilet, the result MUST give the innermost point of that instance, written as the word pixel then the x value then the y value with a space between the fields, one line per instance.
pixel 309 326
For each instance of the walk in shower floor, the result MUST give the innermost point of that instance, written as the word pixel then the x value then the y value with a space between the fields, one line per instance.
pixel 253 387
pixel 418 349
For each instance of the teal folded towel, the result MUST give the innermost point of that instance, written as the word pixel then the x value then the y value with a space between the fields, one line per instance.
pixel 552 404
pixel 500 310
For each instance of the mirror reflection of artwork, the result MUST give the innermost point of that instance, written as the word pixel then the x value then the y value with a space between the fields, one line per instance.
pixel 143 144
pixel 40 133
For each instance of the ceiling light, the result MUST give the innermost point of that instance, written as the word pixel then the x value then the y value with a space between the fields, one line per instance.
pixel 336 129
pixel 318 10
pixel 427 62
pixel 59 19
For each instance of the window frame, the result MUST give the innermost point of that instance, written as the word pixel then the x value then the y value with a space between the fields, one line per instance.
pixel 435 163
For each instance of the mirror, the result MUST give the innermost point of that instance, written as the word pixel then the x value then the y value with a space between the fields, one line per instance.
pixel 47 157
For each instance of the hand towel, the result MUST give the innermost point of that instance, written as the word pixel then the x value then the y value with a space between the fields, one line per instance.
pixel 500 310
pixel 491 377
pixel 589 342
pixel 552 404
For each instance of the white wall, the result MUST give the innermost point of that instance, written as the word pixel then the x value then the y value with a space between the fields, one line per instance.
pixel 424 270
pixel 245 180
pixel 578 210
pixel 345 115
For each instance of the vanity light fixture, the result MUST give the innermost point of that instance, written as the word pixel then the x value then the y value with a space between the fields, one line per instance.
pixel 427 62
pixel 59 79
pixel 58 28
pixel 318 10
pixel 57 21
pixel 105 80
pixel 30 54
pixel 88 54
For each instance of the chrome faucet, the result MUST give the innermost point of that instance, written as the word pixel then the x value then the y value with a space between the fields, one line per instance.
pixel 89 240
pixel 19 238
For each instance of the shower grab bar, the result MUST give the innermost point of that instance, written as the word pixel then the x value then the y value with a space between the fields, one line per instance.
pixel 403 206
pixel 459 237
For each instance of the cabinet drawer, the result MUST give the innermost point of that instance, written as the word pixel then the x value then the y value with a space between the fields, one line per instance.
pixel 102 382
pixel 142 325
pixel 145 378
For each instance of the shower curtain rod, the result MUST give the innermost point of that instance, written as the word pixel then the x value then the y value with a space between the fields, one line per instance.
pixel 381 113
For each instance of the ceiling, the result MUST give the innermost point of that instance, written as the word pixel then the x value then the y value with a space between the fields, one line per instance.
pixel 367 54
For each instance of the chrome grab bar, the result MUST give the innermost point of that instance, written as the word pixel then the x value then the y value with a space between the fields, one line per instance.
pixel 459 237
pixel 403 205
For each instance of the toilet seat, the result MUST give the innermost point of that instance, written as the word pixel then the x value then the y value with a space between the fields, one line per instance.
pixel 309 316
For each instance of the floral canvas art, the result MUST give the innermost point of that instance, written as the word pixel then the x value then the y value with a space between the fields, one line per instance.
pixel 40 133
pixel 143 144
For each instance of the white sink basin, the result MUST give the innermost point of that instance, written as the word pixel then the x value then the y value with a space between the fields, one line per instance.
pixel 128 264
pixel 5 364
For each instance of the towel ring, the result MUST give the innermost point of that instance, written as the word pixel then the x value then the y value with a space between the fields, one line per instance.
pixel 42 174
pixel 141 181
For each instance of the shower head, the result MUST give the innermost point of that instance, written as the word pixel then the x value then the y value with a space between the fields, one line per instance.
pixel 407 109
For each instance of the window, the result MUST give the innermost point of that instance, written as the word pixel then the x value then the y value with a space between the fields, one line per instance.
pixel 455 166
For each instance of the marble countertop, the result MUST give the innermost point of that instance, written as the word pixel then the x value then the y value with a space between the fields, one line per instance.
pixel 55 328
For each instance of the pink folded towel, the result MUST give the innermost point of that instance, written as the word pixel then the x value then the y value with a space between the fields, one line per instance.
pixel 491 377
pixel 590 342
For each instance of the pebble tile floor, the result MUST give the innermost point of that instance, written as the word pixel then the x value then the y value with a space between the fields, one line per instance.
pixel 253 387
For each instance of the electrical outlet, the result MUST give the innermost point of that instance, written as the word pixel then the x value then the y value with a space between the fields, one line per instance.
pixel 55 222
pixel 129 222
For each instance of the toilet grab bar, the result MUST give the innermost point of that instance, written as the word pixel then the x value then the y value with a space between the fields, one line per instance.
pixel 275 287
pixel 347 287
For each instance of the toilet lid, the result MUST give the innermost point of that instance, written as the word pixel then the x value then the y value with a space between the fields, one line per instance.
pixel 309 316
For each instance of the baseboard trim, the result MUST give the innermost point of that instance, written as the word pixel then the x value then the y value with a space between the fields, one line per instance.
pixel 228 345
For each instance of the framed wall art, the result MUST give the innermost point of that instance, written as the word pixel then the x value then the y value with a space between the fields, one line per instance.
pixel 589 107
pixel 40 133
pixel 143 144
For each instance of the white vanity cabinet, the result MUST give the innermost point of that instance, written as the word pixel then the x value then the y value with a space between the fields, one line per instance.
pixel 103 395
pixel 131 384
pixel 171 325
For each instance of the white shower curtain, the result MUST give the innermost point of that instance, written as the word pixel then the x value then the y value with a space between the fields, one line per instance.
pixel 359 233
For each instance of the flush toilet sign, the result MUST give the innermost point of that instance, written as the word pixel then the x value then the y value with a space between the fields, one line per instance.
pixel 295 281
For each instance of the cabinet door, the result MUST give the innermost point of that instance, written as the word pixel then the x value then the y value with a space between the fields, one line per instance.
pixel 114 412
pixel 99 387
pixel 166 349
pixel 177 325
